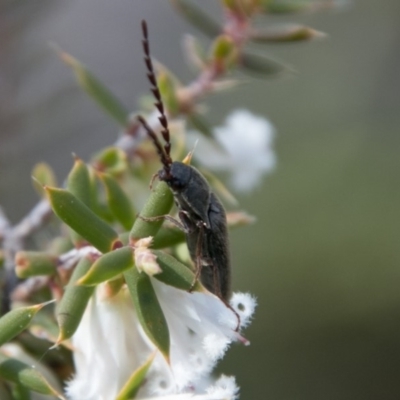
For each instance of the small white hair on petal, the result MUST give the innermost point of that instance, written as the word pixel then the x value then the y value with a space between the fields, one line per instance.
pixel 215 346
pixel 244 304
pixel 224 388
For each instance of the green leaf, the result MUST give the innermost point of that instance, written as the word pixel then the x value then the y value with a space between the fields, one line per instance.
pixel 261 66
pixel 175 274
pixel 286 6
pixel 74 301
pixel 135 381
pixel 43 175
pixel 158 204
pixel 78 182
pixel 33 263
pixel 285 34
pixel 237 219
pixel 15 321
pixel 194 53
pixel 60 245
pixel 97 90
pixel 148 310
pixel 111 160
pixel 82 220
pixel 224 50
pixel 18 372
pixel 108 266
pixel 147 306
pixel 168 90
pixel 197 17
pixel 118 201
pixel 167 237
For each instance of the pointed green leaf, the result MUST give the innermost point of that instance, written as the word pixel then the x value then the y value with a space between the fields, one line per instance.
pixel 237 219
pixel 97 90
pixel 33 263
pixel 45 329
pixel 108 266
pixel 135 381
pixel 168 91
pixel 175 274
pixel 159 203
pixel 113 287
pixel 118 201
pixel 196 16
pixel 82 220
pixel 74 301
pixel 15 321
pixel 97 198
pixel 43 175
pixel 167 237
pixel 146 303
pixel 285 34
pixel 194 53
pixel 111 160
pixel 20 373
pixel 60 245
pixel 78 182
pixel 261 66
pixel 224 50
pixel 148 309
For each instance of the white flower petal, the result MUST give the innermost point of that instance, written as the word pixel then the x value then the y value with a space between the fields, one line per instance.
pixel 247 141
pixel 110 344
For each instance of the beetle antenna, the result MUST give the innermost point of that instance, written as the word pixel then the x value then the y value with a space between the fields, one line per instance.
pixel 165 159
pixel 159 103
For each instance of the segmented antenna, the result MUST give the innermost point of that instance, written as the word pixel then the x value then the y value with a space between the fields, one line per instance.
pixel 165 155
pixel 165 159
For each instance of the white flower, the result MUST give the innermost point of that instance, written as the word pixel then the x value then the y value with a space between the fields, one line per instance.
pixel 110 344
pixel 246 152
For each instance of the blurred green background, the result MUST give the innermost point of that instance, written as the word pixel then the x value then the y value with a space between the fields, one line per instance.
pixel 323 258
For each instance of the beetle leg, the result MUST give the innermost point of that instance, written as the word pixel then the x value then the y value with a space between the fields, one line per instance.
pixel 186 223
pixel 153 178
pixel 234 311
pixel 167 217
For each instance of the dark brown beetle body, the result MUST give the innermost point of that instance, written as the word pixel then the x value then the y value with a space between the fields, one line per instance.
pixel 204 220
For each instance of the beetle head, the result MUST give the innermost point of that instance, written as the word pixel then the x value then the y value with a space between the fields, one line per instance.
pixel 177 176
